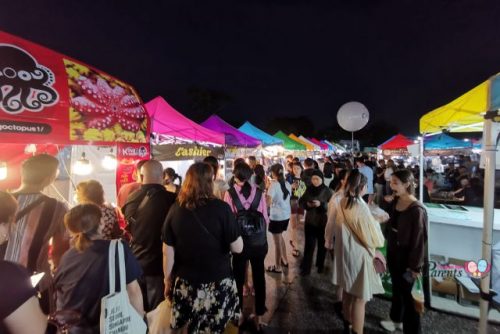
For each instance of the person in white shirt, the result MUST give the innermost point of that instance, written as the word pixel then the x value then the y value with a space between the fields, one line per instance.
pixel 368 173
pixel 278 198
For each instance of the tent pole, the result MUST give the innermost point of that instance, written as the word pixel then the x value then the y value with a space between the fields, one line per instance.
pixel 421 170
pixel 490 139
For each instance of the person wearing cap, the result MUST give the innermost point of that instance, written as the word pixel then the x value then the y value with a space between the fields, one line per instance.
pixel 315 202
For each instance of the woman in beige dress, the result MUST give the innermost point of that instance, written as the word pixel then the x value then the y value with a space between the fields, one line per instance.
pixel 358 234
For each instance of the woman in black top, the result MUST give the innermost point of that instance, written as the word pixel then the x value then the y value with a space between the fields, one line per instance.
pixel 82 278
pixel 406 242
pixel 298 189
pixel 169 177
pixel 198 235
pixel 315 202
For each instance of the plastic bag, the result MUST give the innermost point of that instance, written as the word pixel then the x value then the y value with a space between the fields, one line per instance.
pixel 417 292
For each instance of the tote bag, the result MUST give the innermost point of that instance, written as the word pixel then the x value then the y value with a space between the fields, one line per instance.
pixel 117 314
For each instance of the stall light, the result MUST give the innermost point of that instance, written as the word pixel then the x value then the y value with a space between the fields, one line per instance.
pixel 109 162
pixel 82 166
pixel 3 170
pixel 30 149
pixel 466 140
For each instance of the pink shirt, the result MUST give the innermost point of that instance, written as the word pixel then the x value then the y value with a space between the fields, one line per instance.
pixel 262 208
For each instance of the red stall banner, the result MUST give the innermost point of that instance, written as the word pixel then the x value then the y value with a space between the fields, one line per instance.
pixel 128 155
pixel 49 98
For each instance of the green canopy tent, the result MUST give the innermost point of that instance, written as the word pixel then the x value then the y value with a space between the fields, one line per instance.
pixel 289 143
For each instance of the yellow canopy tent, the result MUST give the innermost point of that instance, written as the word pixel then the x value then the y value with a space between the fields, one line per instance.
pixel 308 146
pixel 467 114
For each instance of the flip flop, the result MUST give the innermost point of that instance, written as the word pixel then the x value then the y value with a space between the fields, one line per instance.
pixel 274 270
pixel 296 253
pixel 284 264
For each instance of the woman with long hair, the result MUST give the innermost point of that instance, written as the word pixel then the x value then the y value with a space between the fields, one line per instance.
pixel 169 177
pixel 81 279
pixel 278 196
pixel 244 196
pixel 198 236
pixel 92 192
pixel 389 169
pixel 357 235
pixel 406 242
pixel 298 189
pixel 220 186
pixel 315 202
pixel 260 177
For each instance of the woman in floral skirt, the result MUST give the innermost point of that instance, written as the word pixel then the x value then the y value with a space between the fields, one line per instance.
pixel 199 233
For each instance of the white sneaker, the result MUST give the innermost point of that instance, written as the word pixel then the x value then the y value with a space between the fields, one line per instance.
pixel 391 326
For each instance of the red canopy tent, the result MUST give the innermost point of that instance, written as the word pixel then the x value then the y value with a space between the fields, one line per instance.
pixel 397 144
pixel 52 100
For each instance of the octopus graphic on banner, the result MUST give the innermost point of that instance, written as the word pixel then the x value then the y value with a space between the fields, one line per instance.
pixel 103 108
pixel 24 83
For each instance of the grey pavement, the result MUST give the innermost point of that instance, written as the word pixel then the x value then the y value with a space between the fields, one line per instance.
pixel 306 305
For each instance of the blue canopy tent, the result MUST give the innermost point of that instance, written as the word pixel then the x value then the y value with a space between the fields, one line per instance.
pixel 267 139
pixel 444 142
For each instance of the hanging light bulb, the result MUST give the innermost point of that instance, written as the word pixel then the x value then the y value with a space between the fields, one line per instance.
pixel 82 166
pixel 109 162
pixel 3 170
pixel 30 149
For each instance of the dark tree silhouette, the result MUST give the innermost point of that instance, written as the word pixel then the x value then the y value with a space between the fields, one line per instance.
pixel 205 102
pixel 301 125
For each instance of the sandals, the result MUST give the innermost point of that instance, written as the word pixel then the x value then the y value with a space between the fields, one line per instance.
pixel 284 264
pixel 274 270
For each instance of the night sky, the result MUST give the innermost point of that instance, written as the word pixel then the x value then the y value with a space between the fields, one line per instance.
pixel 278 58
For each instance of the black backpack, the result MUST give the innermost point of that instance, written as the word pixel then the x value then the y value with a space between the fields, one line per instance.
pixel 252 223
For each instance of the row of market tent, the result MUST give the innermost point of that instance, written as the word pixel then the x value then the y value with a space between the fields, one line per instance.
pixel 168 123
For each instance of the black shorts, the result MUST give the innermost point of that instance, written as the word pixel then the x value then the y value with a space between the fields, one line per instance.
pixel 278 226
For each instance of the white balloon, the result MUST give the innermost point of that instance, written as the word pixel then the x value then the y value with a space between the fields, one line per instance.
pixel 353 116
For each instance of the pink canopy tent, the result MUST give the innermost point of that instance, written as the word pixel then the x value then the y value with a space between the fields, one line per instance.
pixel 166 120
pixel 320 144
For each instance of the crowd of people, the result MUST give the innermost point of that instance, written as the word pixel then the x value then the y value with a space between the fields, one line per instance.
pixel 201 242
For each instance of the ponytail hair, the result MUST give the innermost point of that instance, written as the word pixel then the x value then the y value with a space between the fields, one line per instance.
pixel 243 173
pixel 83 223
pixel 277 171
pixel 172 175
pixel 354 185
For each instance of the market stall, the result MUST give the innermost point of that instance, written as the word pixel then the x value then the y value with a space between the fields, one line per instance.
pixel 309 146
pixel 324 147
pixel 238 144
pixel 476 110
pixel 291 146
pixel 177 141
pixel 395 148
pixel 51 103
pixel 272 147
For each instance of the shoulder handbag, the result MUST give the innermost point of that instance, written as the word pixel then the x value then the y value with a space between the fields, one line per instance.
pixel 379 261
pixel 117 314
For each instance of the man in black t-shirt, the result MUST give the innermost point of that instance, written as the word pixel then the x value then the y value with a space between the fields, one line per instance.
pixel 145 211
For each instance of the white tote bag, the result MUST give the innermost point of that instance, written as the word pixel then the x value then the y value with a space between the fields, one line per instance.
pixel 117 314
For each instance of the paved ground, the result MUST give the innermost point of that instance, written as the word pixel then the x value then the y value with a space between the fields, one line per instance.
pixel 305 305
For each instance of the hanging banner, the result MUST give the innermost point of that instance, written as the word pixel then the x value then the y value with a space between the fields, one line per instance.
pixel 128 155
pixel 46 97
pixel 172 152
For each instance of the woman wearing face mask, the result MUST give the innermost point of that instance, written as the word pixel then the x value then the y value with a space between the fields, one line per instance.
pixel 405 250
pixel 315 201
pixel 357 235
